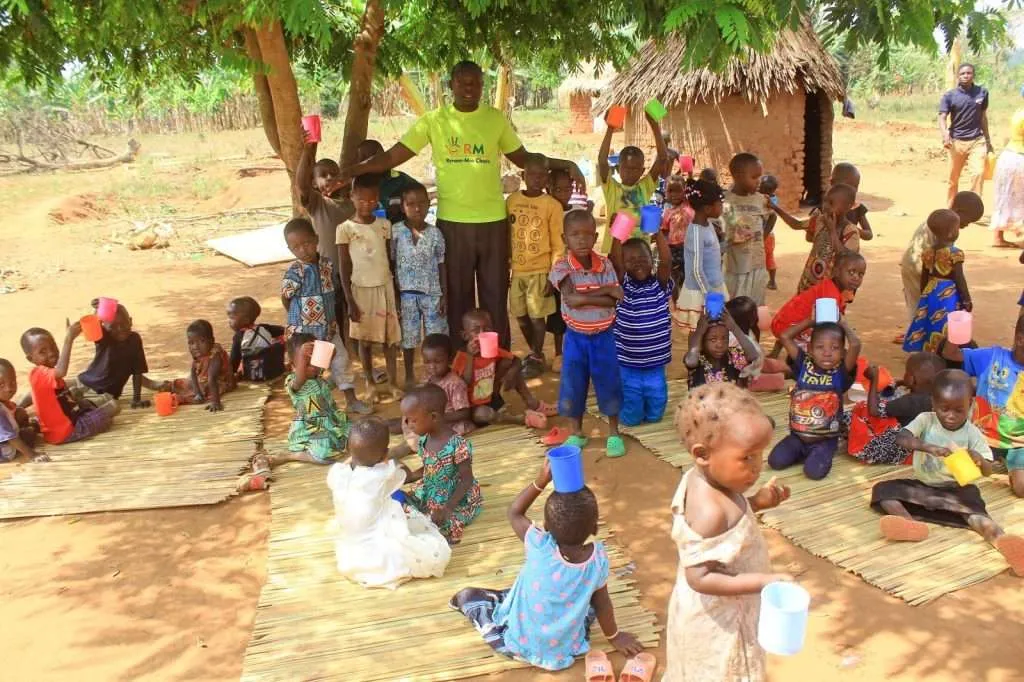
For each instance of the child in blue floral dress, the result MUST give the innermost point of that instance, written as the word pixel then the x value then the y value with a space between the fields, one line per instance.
pixel 545 618
pixel 445 489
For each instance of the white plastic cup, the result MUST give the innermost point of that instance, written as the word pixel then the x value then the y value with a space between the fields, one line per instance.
pixel 323 351
pixel 782 625
pixel 826 310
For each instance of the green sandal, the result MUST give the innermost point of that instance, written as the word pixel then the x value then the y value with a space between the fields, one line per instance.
pixel 578 441
pixel 615 446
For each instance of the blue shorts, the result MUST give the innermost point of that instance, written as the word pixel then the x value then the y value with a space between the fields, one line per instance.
pixel 644 395
pixel 419 312
pixel 1014 457
pixel 586 359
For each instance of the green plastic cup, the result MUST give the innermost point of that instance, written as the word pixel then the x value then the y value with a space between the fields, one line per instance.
pixel 656 109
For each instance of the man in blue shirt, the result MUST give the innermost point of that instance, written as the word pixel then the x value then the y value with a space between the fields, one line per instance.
pixel 965 133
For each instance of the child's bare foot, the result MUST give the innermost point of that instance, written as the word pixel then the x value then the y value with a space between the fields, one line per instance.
pixel 1012 549
pixel 901 529
pixel 773 286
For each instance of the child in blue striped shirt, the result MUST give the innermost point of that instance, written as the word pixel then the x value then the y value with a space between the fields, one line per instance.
pixel 643 328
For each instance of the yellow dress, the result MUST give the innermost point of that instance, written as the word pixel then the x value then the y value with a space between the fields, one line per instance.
pixel 713 638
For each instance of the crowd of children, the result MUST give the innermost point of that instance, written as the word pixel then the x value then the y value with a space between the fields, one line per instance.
pixel 370 272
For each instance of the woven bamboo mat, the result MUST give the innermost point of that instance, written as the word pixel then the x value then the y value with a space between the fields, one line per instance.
pixel 832 518
pixel 144 462
pixel 313 624
pixel 661 438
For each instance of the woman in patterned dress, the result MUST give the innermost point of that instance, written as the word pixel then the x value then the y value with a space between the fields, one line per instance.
pixel 943 290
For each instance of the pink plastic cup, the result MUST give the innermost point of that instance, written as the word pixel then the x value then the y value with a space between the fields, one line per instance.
pixel 106 309
pixel 764 318
pixel 323 351
pixel 685 164
pixel 959 327
pixel 488 344
pixel 311 124
pixel 623 225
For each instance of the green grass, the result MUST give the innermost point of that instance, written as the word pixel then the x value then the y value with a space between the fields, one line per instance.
pixel 922 109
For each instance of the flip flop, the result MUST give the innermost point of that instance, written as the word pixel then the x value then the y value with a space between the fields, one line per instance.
pixel 251 482
pixel 899 529
pixel 1012 549
pixel 536 420
pixel 899 339
pixel 379 376
pixel 556 436
pixel 547 409
pixel 598 667
pixel 615 447
pixel 578 441
pixel 640 668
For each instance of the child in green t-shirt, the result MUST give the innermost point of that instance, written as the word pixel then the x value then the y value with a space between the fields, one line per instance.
pixel 635 185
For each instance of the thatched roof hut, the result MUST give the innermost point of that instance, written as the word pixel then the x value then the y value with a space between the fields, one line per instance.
pixel 577 92
pixel 777 105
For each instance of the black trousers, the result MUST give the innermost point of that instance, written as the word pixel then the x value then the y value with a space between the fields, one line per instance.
pixel 477 262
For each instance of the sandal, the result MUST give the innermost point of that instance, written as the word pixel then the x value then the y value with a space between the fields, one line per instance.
pixel 533 367
pixel 547 409
pixel 598 667
pixel 576 441
pixel 899 529
pixel 640 668
pixel 535 420
pixel 615 447
pixel 251 482
pixel 1012 549
pixel 41 457
pixel 556 436
pixel 379 376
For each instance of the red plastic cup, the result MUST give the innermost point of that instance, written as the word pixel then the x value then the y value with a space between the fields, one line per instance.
pixel 488 344
pixel 92 328
pixel 323 351
pixel 165 403
pixel 685 164
pixel 616 117
pixel 311 124
pixel 106 309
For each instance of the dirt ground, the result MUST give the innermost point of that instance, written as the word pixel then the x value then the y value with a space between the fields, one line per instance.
pixel 171 594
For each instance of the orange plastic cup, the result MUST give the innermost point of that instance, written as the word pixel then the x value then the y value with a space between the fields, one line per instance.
pixel 165 403
pixel 616 117
pixel 92 328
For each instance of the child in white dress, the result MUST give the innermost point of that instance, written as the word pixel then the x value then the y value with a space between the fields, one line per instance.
pixel 380 544
pixel 723 560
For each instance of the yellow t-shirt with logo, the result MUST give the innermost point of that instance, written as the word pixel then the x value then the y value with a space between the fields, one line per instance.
pixel 535 228
pixel 466 148
pixel 630 199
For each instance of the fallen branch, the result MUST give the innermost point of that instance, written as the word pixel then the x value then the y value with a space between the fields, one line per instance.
pixel 34 165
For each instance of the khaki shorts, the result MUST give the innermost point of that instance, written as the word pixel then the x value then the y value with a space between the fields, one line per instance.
pixel 526 296
pixel 379 320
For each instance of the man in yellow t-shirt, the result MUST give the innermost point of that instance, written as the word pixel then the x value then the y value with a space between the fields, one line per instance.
pixel 467 140
pixel 635 185
pixel 535 223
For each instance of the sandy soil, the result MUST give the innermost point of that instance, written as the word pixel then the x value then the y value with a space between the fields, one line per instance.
pixel 172 594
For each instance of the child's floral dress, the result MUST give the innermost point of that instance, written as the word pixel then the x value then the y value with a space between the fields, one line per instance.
pixel 440 478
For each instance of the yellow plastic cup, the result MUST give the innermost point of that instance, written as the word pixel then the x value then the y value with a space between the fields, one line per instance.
pixel 963 468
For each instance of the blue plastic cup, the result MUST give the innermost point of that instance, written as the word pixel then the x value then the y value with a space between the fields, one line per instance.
pixel 566 468
pixel 650 219
pixel 400 496
pixel 380 213
pixel 714 304
pixel 782 624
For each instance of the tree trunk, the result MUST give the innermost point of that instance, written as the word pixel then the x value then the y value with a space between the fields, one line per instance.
pixel 436 89
pixel 411 95
pixel 502 90
pixel 262 88
pixel 283 91
pixel 357 117
pixel 956 53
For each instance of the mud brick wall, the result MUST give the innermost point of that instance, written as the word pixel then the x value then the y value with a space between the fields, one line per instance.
pixel 581 121
pixel 713 133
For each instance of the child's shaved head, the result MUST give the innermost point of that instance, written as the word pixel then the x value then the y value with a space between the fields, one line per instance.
pixel 944 223
pixel 969 207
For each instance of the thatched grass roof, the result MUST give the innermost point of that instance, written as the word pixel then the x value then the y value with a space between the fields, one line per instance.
pixel 798 60
pixel 589 80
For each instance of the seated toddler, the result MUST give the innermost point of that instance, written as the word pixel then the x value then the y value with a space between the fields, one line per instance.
pixel 211 375
pixel 16 433
pixel 378 543
pixel 257 350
